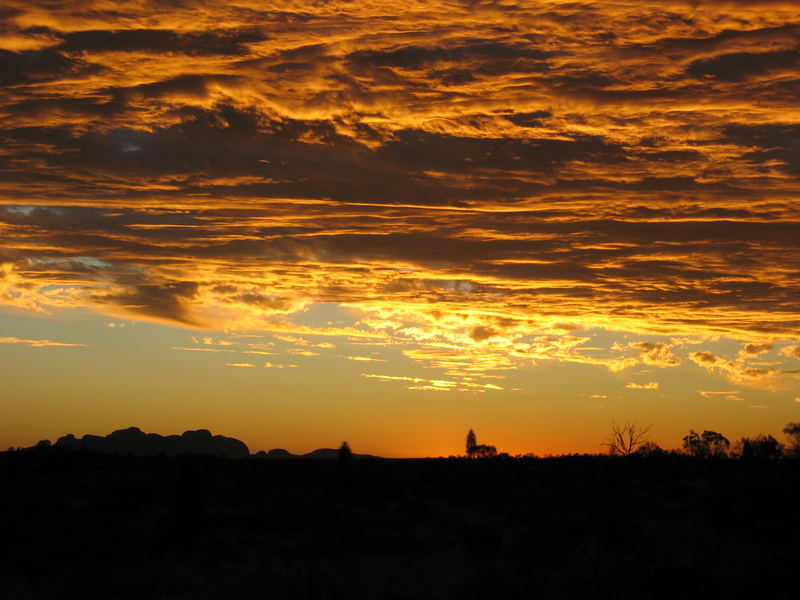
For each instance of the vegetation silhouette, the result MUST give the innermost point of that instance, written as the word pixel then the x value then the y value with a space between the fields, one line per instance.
pixel 208 526
pixel 476 450
pixel 792 430
pixel 761 447
pixel 626 439
pixel 708 444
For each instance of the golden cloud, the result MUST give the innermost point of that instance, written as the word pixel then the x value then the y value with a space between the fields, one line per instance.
pixel 481 186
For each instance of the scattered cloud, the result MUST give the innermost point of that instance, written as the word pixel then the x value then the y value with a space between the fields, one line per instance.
pixel 744 372
pixel 435 385
pixel 200 349
pixel 727 395
pixel 653 385
pixel 792 351
pixel 301 352
pixel 246 365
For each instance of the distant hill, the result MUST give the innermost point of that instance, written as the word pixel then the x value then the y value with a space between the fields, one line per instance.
pixel 320 453
pixel 134 441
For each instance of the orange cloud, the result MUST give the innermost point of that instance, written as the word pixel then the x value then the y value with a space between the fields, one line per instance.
pixel 480 186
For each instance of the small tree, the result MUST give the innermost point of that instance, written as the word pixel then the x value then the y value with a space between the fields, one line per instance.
pixel 344 460
pixel 472 443
pixel 792 430
pixel 708 444
pixel 626 439
pixel 345 454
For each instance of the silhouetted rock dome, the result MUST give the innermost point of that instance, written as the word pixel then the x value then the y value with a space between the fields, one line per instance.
pixel 134 441
pixel 279 453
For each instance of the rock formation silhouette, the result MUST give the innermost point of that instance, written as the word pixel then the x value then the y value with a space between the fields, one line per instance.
pixel 134 441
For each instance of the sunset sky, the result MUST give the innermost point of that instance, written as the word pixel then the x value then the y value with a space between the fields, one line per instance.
pixel 300 222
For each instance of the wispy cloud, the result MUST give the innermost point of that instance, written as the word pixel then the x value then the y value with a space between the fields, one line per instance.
pixel 39 343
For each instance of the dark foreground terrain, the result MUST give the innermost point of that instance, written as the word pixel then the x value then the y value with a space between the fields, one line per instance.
pixel 76 525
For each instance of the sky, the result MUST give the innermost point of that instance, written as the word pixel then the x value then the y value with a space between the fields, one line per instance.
pixel 300 222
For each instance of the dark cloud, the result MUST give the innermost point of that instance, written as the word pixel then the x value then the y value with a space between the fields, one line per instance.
pixel 490 56
pixel 230 42
pixel 167 301
pixel 38 66
pixel 422 150
pixel 739 66
pixel 570 160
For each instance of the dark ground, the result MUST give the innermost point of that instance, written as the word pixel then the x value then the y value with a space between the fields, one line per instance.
pixel 76 525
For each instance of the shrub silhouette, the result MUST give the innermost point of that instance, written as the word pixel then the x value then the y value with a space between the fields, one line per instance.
pixel 484 451
pixel 792 430
pixel 708 444
pixel 759 447
pixel 650 449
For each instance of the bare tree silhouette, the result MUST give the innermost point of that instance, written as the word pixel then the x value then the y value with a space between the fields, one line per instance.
pixel 626 439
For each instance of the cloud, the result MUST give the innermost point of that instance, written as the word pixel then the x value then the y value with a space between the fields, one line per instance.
pixel 642 386
pixel 301 352
pixel 755 349
pixel 158 41
pixel 191 349
pixel 246 365
pixel 727 395
pixel 436 385
pixel 657 354
pixel 464 181
pixel 792 351
pixel 39 343
pixel 742 372
pixel 739 66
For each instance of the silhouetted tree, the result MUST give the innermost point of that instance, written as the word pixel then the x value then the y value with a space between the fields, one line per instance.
pixel 759 447
pixel 626 439
pixel 792 430
pixel 44 444
pixel 344 458
pixel 708 444
pixel 472 443
pixel 476 450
